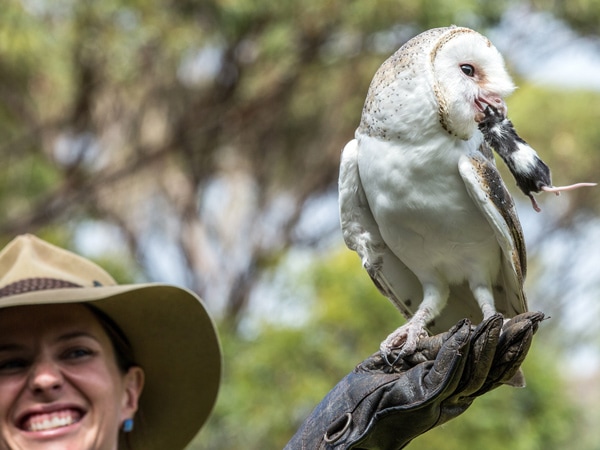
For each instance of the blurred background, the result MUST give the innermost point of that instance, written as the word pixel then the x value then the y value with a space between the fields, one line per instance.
pixel 197 142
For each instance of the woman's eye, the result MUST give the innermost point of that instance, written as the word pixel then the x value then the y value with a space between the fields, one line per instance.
pixel 468 70
pixel 77 353
pixel 12 365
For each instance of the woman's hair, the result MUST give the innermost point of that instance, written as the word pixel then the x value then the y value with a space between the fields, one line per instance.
pixel 121 346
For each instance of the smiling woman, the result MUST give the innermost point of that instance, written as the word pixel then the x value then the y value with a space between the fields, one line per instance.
pixel 59 378
pixel 82 358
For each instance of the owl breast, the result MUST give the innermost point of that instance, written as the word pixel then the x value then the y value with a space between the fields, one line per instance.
pixel 424 211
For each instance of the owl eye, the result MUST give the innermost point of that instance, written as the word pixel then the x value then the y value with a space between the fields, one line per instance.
pixel 468 70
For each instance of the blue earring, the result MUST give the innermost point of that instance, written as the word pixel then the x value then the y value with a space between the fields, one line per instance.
pixel 128 425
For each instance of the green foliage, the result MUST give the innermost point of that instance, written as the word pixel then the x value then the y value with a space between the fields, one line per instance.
pixel 25 178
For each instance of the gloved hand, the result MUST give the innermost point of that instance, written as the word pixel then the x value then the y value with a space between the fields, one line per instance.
pixel 378 406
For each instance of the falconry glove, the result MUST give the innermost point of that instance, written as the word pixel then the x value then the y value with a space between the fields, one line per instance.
pixel 384 407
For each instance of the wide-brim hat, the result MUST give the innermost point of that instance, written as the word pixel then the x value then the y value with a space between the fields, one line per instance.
pixel 172 336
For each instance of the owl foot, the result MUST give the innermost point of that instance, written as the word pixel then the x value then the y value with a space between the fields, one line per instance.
pixel 404 338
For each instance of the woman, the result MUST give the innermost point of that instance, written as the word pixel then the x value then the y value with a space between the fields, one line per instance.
pixel 89 364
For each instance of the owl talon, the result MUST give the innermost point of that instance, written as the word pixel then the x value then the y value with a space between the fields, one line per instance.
pixel 404 338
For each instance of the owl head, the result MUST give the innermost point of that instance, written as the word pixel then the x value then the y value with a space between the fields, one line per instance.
pixel 442 79
pixel 468 74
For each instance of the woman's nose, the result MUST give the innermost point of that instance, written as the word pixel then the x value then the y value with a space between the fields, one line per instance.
pixel 45 376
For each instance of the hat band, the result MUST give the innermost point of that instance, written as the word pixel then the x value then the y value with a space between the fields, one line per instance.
pixel 35 284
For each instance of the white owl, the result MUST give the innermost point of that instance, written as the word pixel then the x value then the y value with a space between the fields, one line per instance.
pixel 421 200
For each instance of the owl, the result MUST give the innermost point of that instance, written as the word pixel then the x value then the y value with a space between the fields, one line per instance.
pixel 421 200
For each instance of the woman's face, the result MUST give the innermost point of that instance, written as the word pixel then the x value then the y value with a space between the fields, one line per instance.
pixel 60 387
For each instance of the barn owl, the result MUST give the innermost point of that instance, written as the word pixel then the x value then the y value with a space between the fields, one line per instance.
pixel 421 200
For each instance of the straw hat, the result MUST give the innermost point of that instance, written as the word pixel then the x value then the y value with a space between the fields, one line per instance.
pixel 172 335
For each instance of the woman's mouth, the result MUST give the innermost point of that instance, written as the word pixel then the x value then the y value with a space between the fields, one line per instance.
pixel 51 420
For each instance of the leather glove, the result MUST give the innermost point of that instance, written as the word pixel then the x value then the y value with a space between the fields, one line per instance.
pixel 378 406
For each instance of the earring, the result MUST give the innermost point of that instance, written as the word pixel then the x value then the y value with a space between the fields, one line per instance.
pixel 128 425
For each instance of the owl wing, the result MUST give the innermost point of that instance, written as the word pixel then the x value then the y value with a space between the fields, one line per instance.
pixel 486 188
pixel 361 234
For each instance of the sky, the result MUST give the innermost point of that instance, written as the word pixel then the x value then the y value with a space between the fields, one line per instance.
pixel 545 50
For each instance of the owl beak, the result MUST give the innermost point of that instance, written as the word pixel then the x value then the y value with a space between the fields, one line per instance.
pixel 493 100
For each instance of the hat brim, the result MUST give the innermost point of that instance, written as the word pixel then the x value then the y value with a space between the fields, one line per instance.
pixel 174 341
